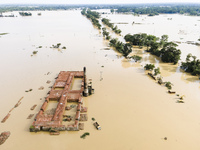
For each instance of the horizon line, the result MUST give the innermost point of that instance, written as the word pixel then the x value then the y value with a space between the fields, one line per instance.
pixel 100 4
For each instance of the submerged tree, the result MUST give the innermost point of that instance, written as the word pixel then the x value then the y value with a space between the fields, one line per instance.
pixel 192 65
pixel 149 66
pixel 156 71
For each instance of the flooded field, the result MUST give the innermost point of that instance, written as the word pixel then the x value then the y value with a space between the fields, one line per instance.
pixel 133 111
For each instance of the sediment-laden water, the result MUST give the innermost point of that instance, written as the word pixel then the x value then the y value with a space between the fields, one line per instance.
pixel 133 111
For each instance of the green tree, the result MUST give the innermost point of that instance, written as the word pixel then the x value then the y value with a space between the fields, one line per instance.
pixel 149 66
pixel 156 71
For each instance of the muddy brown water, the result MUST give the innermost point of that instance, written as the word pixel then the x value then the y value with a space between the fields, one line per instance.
pixel 133 111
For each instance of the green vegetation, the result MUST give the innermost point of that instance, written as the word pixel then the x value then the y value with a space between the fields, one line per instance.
pixel 192 65
pixel 31 128
pixel 107 22
pixel 25 13
pixel 3 33
pixel 150 9
pixel 93 16
pixel 56 46
pixel 149 66
pixel 29 90
pixel 168 85
pixel 136 58
pixel 158 46
pixel 153 10
pixel 24 7
pixel 124 49
pixel 106 34
pixel 153 14
pixel 35 52
pixel 84 135
pixel 156 71
pixel 93 119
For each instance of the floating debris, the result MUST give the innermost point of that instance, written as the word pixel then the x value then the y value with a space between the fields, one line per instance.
pixel 4 136
pixel 171 92
pixel 11 110
pixel 48 82
pixel 41 88
pixel 165 138
pixel 30 116
pixel 16 105
pixel 180 101
pixel 33 107
pixel 5 118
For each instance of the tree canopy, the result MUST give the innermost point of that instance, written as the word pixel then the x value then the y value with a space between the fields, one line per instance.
pixel 158 46
pixel 192 65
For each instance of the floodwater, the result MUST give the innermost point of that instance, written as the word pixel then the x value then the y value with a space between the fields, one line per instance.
pixel 133 111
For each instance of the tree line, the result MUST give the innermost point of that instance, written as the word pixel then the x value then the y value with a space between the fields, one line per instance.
pixel 93 16
pixel 160 47
pixel 111 25
pixel 193 10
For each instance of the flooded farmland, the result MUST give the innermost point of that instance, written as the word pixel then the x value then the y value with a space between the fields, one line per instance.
pixel 133 111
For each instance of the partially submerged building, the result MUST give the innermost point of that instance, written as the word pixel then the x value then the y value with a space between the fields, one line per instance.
pixel 62 93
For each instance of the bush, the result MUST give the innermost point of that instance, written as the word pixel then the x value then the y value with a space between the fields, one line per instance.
pixel 84 135
pixel 156 71
pixel 136 58
pixel 168 85
pixel 149 66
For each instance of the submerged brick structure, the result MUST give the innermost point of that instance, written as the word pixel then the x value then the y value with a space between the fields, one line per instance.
pixel 61 92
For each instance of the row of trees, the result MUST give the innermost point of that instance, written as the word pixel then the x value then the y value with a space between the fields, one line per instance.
pixel 10 8
pixel 193 10
pixel 111 25
pixel 94 16
pixel 124 48
pixel 106 34
pixel 160 47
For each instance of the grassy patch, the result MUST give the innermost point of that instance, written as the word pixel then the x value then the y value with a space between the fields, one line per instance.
pixel 3 33
pixel 84 135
